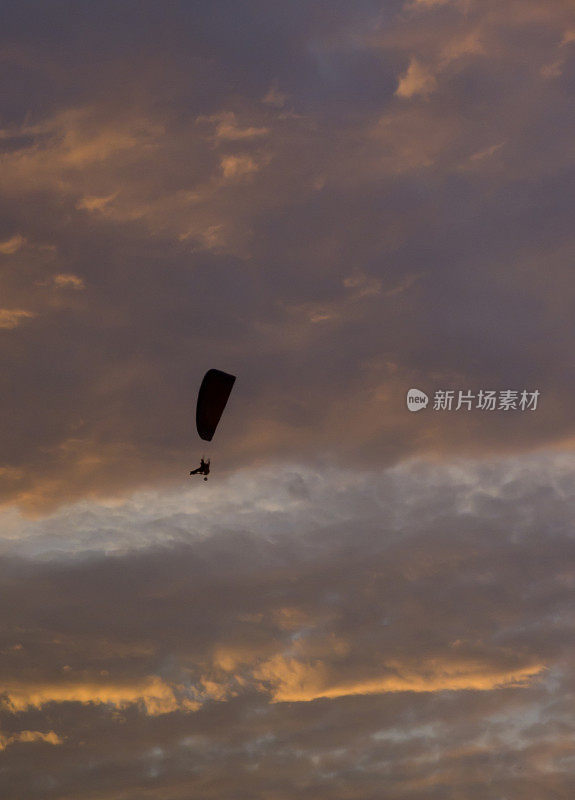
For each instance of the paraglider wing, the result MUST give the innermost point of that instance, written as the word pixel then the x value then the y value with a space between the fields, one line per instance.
pixel 212 398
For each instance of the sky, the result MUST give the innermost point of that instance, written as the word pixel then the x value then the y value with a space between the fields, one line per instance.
pixel 336 202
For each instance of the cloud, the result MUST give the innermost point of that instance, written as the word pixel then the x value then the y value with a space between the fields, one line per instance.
pixel 292 618
pixel 486 153
pixel 96 203
pixel 418 80
pixel 13 317
pixel 67 280
pixel 238 166
pixel 335 204
pixel 274 97
pixel 294 681
pixel 228 129
pixel 432 2
pixel 215 223
pixel 12 245
pixel 152 693
pixel 29 737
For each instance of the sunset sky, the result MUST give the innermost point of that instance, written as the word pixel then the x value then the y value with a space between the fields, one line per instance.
pixel 337 201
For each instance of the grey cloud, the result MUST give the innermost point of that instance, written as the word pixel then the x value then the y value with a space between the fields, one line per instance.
pixel 429 571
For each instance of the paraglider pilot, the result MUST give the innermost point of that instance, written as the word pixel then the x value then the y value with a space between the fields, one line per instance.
pixel 203 469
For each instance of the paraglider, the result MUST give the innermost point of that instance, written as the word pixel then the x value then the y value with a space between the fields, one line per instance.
pixel 213 396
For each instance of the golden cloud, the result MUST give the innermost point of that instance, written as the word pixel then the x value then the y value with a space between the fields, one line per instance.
pixel 12 317
pixel 24 737
pixel 238 166
pixel 72 142
pixel 12 245
pixel 156 696
pixel 287 679
pixel 418 80
pixel 291 680
pixel 68 281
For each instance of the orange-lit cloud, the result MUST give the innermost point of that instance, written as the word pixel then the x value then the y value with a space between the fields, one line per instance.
pixel 418 80
pixel 361 208
pixel 291 680
pixel 29 737
pixel 153 693
pixel 67 280
pixel 12 245
pixel 13 317
pixel 238 166
pixel 296 616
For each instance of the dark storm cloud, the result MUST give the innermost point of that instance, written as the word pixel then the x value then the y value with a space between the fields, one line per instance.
pixel 407 633
pixel 333 201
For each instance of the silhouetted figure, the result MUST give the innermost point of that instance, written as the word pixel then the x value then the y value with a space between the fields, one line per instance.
pixel 203 469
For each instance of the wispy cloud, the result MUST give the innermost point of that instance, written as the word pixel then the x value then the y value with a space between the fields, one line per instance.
pixel 418 80
pixel 12 245
pixel 13 317
pixel 263 618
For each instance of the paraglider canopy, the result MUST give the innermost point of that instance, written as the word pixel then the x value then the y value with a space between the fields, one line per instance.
pixel 212 398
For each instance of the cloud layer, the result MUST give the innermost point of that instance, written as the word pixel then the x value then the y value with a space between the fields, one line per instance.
pixel 314 634
pixel 334 204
